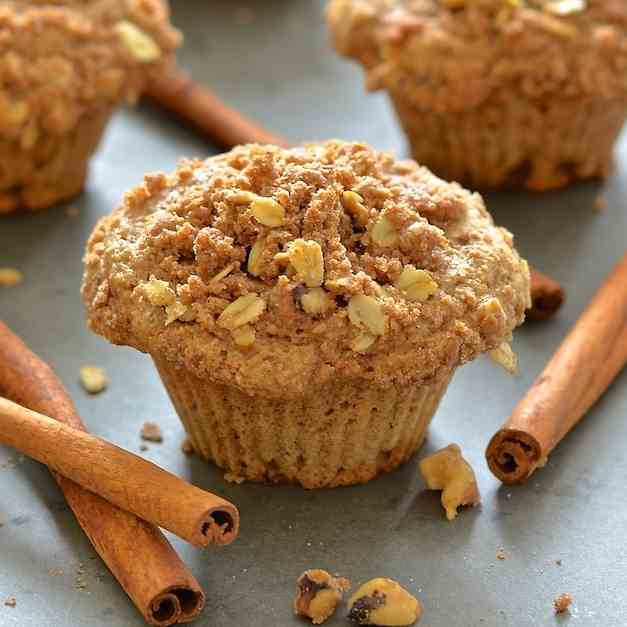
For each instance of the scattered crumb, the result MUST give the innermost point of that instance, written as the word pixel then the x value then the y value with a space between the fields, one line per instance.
pixel 600 204
pixel 186 447
pixel 558 562
pixel 80 581
pixel 151 432
pixel 55 572
pixel 448 471
pixel 233 478
pixel 93 379
pixel 562 603
pixel 72 212
pixel 500 554
pixel 10 602
pixel 143 448
pixel 10 277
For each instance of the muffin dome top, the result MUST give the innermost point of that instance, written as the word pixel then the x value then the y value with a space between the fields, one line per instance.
pixel 61 58
pixel 275 269
pixel 450 55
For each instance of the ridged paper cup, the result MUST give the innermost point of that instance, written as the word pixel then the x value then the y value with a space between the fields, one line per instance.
pixel 344 433
pixel 510 141
pixel 39 169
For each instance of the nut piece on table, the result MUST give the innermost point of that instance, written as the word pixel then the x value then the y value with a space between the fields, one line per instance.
pixel 318 594
pixel 504 356
pixel 448 471
pixel 93 379
pixel 562 603
pixel 151 432
pixel 383 602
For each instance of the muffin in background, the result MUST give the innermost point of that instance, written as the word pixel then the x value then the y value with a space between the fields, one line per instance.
pixel 305 308
pixel 497 93
pixel 64 66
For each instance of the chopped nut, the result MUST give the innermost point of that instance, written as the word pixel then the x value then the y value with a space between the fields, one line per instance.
pixel 93 379
pixel 10 277
pixel 565 7
pixel 159 292
pixel 354 205
pixel 366 311
pixel 241 311
pixel 151 432
pixel 242 197
pixel 491 316
pixel 562 603
pixel 306 257
pixel 416 284
pixel 142 46
pixel 383 602
pixel 268 212
pixel 384 233
pixel 221 275
pixel 448 471
pixel 316 301
pixel 244 336
pixel 363 342
pixel 504 356
pixel 254 258
pixel 318 594
pixel 10 602
pixel 174 312
pixel 500 554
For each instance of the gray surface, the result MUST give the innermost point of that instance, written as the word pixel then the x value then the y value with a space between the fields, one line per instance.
pixel 278 68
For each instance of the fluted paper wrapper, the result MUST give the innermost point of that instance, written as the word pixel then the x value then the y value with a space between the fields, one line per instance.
pixel 345 433
pixel 513 141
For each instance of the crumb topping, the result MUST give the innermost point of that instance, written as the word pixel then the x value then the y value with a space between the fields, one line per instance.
pixel 450 55
pixel 60 58
pixel 250 269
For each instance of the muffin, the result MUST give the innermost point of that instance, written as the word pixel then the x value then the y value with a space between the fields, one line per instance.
pixel 496 93
pixel 305 308
pixel 64 66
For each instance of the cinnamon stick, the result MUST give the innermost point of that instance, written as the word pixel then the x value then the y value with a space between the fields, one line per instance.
pixel 136 552
pixel 581 370
pixel 199 106
pixel 120 477
pixel 547 296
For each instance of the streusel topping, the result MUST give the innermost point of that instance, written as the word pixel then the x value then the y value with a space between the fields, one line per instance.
pixel 274 269
pixel 450 55
pixel 61 58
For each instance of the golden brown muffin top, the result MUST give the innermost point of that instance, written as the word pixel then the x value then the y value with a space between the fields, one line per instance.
pixel 59 59
pixel 450 55
pixel 275 270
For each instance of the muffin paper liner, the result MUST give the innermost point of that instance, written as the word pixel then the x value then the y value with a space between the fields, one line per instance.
pixel 344 433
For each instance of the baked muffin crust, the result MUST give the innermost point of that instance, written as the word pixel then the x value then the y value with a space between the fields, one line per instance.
pixel 451 55
pixel 276 270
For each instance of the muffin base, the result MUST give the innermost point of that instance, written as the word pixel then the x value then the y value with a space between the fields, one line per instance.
pixel 516 143
pixel 341 435
pixel 52 170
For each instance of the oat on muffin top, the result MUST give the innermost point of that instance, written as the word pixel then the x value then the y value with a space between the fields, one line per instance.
pixel 59 58
pixel 450 55
pixel 275 270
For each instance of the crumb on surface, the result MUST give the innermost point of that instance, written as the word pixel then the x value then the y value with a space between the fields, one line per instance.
pixel 10 602
pixel 143 448
pixel 500 554
pixel 318 594
pixel 562 603
pixel 93 379
pixel 600 203
pixel 151 432
pixel 10 277
pixel 558 562
pixel 187 447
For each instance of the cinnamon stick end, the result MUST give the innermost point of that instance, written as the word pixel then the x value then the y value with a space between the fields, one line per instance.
pixel 179 604
pixel 513 455
pixel 219 525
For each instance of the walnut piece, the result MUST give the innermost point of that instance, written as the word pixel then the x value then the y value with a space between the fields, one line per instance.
pixel 448 471
pixel 504 356
pixel 366 311
pixel 353 203
pixel 151 432
pixel 93 379
pixel 383 602
pixel 10 277
pixel 318 594
pixel 562 603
